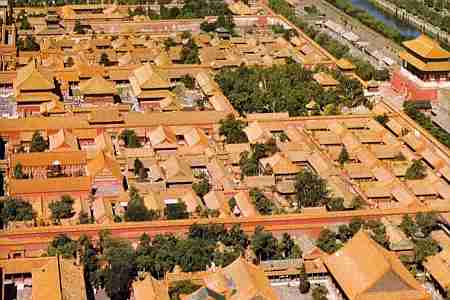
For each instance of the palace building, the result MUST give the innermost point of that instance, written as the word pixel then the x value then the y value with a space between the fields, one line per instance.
pixel 426 59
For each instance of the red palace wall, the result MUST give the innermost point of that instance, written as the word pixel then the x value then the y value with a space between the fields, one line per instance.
pixel 403 85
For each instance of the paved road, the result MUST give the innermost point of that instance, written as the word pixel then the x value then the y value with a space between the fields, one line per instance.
pixel 377 41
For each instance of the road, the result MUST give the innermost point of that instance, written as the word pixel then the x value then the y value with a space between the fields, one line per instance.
pixel 377 41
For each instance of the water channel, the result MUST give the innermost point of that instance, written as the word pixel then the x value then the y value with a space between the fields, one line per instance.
pixel 406 30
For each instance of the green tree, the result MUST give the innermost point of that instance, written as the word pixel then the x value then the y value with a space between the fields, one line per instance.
pixel 408 226
pixel 320 293
pixel 189 53
pixel 16 209
pixel 136 209
pixel 336 204
pixel 416 170
pixel 176 211
pixel 202 187
pixel 311 189
pixel 236 237
pixel 424 248
pixel 382 119
pixel 263 204
pixel 104 59
pixel 426 222
pixel 38 144
pixel 120 268
pixel 288 248
pixel 264 244
pixel 185 287
pixel 78 28
pixel 90 261
pixel 233 131
pixel 248 164
pixel 355 225
pixel 188 81
pixel 130 139
pixel 18 171
pixel 169 42
pixel 357 203
pixel 327 241
pixel 62 209
pixel 137 166
pixel 62 245
pixel 343 156
pixel 24 23
pixel 344 233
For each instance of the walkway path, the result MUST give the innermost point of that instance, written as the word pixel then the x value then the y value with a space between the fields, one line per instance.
pixel 377 41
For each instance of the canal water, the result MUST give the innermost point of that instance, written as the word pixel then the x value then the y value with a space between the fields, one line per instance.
pixel 406 30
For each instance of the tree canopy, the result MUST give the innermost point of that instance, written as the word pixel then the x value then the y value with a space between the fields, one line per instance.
pixel 130 139
pixel 136 209
pixel 16 209
pixel 62 209
pixel 311 189
pixel 284 88
pixel 416 170
pixel 38 143
pixel 232 129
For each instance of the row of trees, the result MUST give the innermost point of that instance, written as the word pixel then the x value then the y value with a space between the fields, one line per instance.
pixel 336 48
pixel 190 9
pixel 204 244
pixel 368 20
pixel 418 229
pixel 423 120
pixel 284 88
pixel 16 209
pixel 330 241
pixel 428 10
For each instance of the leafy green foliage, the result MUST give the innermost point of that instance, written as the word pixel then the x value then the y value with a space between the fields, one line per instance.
pixel 104 59
pixel 16 209
pixel 18 171
pixel 189 53
pixel 27 44
pixel 311 189
pixel 336 204
pixel 284 88
pixel 440 134
pixel 130 138
pixel 38 144
pixel 137 166
pixel 320 293
pixel 223 21
pixel 416 170
pixel 62 245
pixel 188 81
pixel 185 287
pixel 176 211
pixel 120 269
pixel 136 210
pixel 264 244
pixel 327 241
pixel 368 20
pixel 263 204
pixel 62 209
pixel 382 119
pixel 424 248
pixel 343 156
pixel 202 187
pixel 232 129
pixel 78 28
